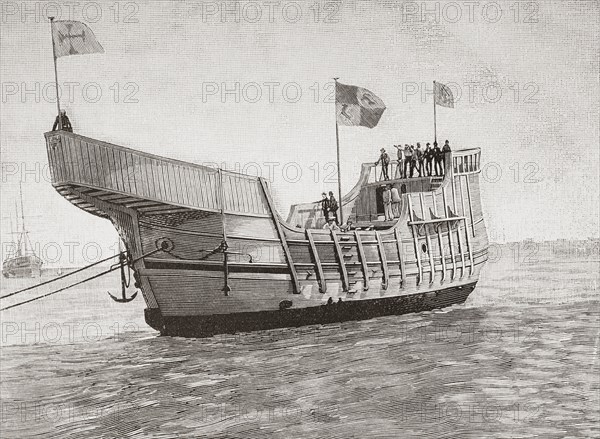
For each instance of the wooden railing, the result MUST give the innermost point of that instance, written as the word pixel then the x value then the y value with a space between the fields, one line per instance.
pixel 82 161
pixel 466 161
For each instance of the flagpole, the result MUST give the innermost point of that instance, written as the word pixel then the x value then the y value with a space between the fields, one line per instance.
pixel 55 74
pixel 434 116
pixel 339 169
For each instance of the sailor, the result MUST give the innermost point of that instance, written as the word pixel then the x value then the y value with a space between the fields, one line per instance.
pixel 66 123
pixel 408 153
pixel 331 225
pixel 333 207
pixel 400 167
pixel 438 158
pixel 420 160
pixel 396 202
pixel 428 155
pixel 445 155
pixel 414 162
pixel 324 202
pixel 387 203
pixel 384 158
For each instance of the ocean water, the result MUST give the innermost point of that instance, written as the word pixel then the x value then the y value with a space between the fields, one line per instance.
pixel 518 360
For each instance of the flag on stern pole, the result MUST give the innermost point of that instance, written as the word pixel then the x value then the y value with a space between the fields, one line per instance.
pixel 443 95
pixel 74 38
pixel 356 106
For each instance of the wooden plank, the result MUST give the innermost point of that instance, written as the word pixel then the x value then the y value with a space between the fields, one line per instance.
pixel 428 240
pixel 415 241
pixel 115 167
pixel 450 238
pixel 191 185
pixel 286 249
pixel 80 167
pixel 400 257
pixel 363 259
pixel 183 186
pixel 317 260
pixel 110 184
pixel 470 204
pixel 124 172
pixel 340 257
pixel 470 250
pixel 440 242
pixel 384 265
pixel 104 171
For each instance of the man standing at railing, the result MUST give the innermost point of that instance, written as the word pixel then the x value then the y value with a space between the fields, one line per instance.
pixel 438 157
pixel 445 155
pixel 384 158
pixel 428 155
pixel 400 167
pixel 324 202
pixel 408 163
pixel 420 160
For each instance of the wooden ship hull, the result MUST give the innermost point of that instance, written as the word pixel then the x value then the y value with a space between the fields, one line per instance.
pixel 211 254
pixel 22 266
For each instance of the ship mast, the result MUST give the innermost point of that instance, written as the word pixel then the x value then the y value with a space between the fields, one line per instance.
pixel 23 235
pixel 22 213
pixel 20 233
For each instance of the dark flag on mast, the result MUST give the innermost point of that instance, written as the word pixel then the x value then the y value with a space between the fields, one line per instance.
pixel 73 38
pixel 70 38
pixel 356 106
pixel 443 95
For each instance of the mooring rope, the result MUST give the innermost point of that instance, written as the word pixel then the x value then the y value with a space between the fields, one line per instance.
pixel 61 277
pixel 113 268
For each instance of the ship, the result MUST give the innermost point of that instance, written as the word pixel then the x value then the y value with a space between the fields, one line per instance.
pixel 22 260
pixel 211 254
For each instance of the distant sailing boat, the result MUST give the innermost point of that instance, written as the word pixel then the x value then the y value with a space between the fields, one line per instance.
pixel 22 262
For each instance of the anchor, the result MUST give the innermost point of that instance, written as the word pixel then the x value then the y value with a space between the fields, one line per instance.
pixel 124 283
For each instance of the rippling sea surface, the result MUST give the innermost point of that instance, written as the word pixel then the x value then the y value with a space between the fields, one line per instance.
pixel 518 360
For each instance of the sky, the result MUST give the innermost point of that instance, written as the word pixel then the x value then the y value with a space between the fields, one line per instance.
pixel 248 86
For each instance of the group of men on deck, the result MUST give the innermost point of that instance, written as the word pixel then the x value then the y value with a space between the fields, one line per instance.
pixel 330 207
pixel 425 161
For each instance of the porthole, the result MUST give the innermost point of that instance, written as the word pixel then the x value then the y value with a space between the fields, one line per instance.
pixel 424 248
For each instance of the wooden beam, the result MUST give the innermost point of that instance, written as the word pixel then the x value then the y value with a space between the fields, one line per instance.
pixel 383 258
pixel 313 248
pixel 286 249
pixel 363 259
pixel 400 257
pixel 415 234
pixel 340 257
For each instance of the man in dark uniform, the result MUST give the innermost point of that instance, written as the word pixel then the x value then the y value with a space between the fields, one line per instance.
pixel 408 163
pixel 66 123
pixel 438 158
pixel 333 207
pixel 384 158
pixel 428 160
pixel 324 202
pixel 445 154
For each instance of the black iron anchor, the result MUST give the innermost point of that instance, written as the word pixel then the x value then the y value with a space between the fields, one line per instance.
pixel 124 283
